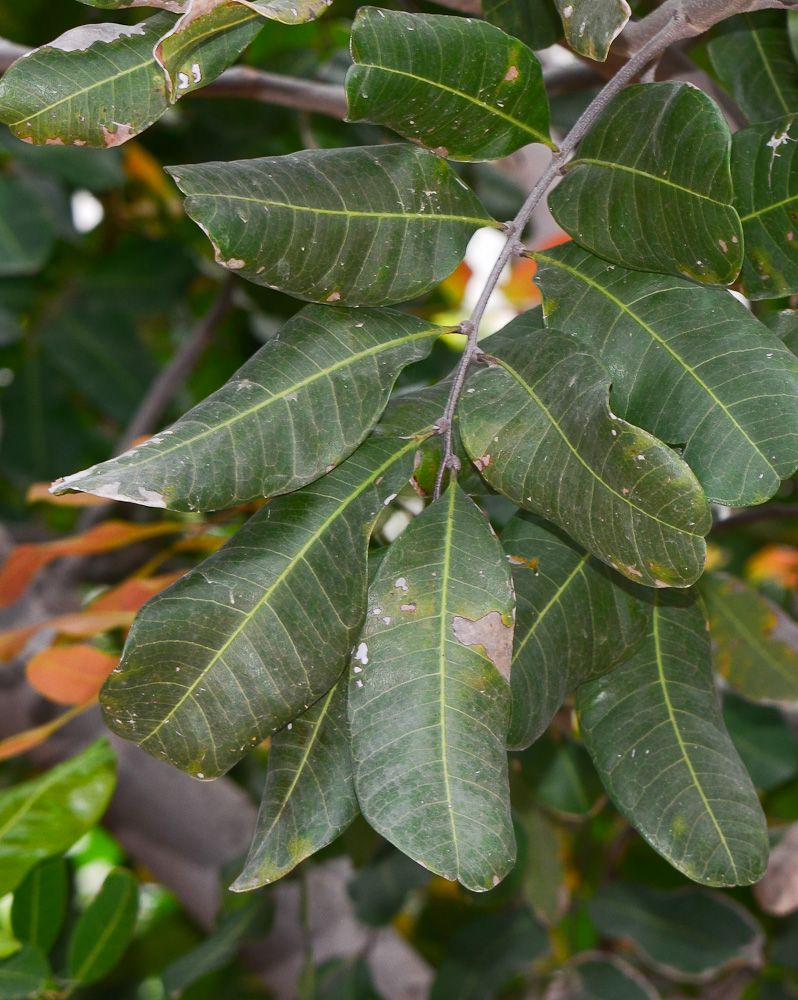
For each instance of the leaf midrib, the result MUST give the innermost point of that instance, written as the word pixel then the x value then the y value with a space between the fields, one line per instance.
pixel 766 64
pixel 442 641
pixel 579 568
pixel 611 165
pixel 109 928
pixel 769 208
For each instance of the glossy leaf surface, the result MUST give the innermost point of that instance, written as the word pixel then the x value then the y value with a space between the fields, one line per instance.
pixel 301 404
pixel 765 170
pixel 365 226
pixel 536 22
pixel 591 26
pixel 429 700
pixel 45 816
pixel 484 99
pixel 754 642
pixel 39 906
pixel 309 798
pixel 575 619
pixel 650 186
pixel 654 729
pixel 260 630
pixel 521 426
pixel 688 363
pixel 98 85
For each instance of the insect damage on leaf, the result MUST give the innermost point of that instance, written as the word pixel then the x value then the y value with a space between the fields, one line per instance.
pixel 492 634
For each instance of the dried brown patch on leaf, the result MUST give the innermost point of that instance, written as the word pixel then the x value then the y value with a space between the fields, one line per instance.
pixel 490 632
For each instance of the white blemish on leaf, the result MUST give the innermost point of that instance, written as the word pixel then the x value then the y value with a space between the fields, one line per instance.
pixel 512 73
pixel 492 634
pixel 411 608
pixel 234 264
pixel 82 38
pixel 401 584
pixel 362 653
pixel 122 131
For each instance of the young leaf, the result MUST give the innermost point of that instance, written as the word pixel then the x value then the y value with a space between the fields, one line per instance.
pixel 39 906
pixel 96 85
pixel 654 730
pixel 591 26
pixel 687 935
pixel 365 226
pixel 429 699
pixel 536 22
pixel 650 187
pixel 484 99
pixel 69 675
pixel 688 363
pixel 753 60
pixel 260 630
pixel 598 976
pixel 309 798
pixel 45 816
pixel 301 404
pixel 536 422
pixel 754 642
pixel 24 975
pixel 104 929
pixel 575 620
pixel 27 236
pixel 765 172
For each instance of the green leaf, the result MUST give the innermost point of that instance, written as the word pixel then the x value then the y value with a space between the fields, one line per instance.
pixel 289 11
pixel 45 816
pixel 346 979
pixel 26 229
pixel 764 741
pixel 39 906
pixel 104 929
pixel 299 406
pixel 173 5
pixel 97 85
pixel 575 619
pixel 784 323
pixel 754 642
pixel 562 777
pixel 591 26
pixel 655 732
pixel 521 427
pixel 536 22
pixel 650 187
pixel 260 630
pixel 688 935
pixel 366 226
pixel 429 700
pixel 486 953
pixel 379 890
pixel 688 363
pixel 24 975
pixel 541 851
pixel 754 62
pixel 765 171
pixel 309 797
pixel 460 86
pixel 596 976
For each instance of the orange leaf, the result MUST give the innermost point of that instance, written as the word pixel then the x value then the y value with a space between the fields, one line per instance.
pixel 131 594
pixel 26 560
pixel 40 493
pixel 775 563
pixel 79 625
pixel 21 742
pixel 13 641
pixel 70 675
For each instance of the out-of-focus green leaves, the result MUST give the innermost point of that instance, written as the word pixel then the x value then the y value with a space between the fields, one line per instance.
pixel 687 935
pixel 379 890
pixel 24 975
pixel 562 777
pixel 650 187
pixel 654 729
pixel 591 26
pixel 104 929
pixel 26 229
pixel 483 100
pixel 540 858
pixel 599 977
pixel 763 739
pixel 39 906
pixel 536 22
pixel 45 816
pixel 370 225
pixel 346 979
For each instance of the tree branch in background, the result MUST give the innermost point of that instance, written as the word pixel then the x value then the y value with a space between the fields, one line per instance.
pixel 273 88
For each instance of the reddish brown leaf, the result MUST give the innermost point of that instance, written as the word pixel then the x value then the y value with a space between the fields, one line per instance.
pixel 21 742
pixel 70 675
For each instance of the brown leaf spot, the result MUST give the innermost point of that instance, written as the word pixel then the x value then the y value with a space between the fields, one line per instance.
pixel 441 151
pixel 411 608
pixel 512 73
pixel 55 141
pixel 234 264
pixel 121 133
pixel 492 634
pixel 482 463
pixel 723 245
pixel 333 297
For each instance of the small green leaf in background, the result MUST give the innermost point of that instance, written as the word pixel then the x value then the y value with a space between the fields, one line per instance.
pixel 39 906
pixel 482 956
pixel 24 974
pixel 429 696
pixel 688 934
pixel 370 225
pixel 562 777
pixel 596 976
pixel 520 425
pixel 765 171
pixel 536 22
pixel 731 386
pixel 26 229
pixel 104 929
pixel 46 816
pixel 784 323
pixel 540 859
pixel 380 889
pixel 345 979
pixel 288 11
pixel 655 732
pixel 98 85
pixel 575 619
pixel 591 26
pixel 650 187
pixel 754 642
pixel 309 796
pixel 484 100
pixel 299 406
pixel 763 739
pixel 753 60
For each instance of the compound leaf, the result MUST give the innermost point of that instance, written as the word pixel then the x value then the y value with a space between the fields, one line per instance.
pixel 654 729
pixel 429 700
pixel 537 424
pixel 650 187
pixel 688 363
pixel 300 405
pixel 591 26
pixel 365 226
pixel 460 86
